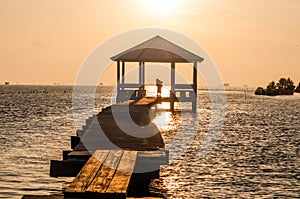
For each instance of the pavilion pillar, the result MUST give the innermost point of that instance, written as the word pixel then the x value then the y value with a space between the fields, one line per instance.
pixel 118 81
pixel 172 92
pixel 123 74
pixel 141 79
pixel 195 85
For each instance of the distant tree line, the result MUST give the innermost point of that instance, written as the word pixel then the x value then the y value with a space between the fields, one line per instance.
pixel 283 87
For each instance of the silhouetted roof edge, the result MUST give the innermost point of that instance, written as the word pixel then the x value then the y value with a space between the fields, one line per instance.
pixel 157 49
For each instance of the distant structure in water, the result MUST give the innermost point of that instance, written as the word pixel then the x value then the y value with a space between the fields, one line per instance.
pixel 6 83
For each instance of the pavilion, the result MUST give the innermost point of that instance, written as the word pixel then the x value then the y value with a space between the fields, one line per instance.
pixel 159 50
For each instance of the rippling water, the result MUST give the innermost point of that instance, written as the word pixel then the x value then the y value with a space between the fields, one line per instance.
pixel 254 157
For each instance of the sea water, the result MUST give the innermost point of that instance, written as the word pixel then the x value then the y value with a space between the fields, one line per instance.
pixel 255 156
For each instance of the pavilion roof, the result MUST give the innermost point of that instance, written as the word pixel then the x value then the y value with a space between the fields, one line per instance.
pixel 157 49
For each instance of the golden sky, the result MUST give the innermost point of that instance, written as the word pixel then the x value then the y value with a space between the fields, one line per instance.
pixel 251 42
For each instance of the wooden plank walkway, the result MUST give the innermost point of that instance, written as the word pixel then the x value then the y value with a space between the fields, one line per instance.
pixel 145 102
pixel 102 132
pixel 115 159
pixel 42 197
pixel 105 175
pixel 105 133
pixel 62 197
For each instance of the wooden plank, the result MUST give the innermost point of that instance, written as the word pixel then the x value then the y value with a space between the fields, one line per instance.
pixel 153 144
pixel 145 198
pixel 109 136
pixel 108 179
pixel 145 102
pixel 183 86
pixel 79 155
pixel 104 176
pixel 65 154
pixel 42 197
pixel 74 141
pixel 130 86
pixel 88 172
pixel 121 179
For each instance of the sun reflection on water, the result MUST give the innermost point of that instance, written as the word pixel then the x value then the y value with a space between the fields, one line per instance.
pixel 171 183
pixel 164 120
pixel 151 91
pixel 164 106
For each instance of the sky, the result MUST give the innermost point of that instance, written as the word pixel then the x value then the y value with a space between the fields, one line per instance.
pixel 251 42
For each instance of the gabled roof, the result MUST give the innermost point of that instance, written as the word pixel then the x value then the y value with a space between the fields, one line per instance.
pixel 157 49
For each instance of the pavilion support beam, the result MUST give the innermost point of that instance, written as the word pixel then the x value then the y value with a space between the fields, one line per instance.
pixel 123 73
pixel 143 74
pixel 141 78
pixel 118 81
pixel 195 87
pixel 172 93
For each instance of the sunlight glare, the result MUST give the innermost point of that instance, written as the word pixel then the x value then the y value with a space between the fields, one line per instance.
pixel 151 91
pixel 161 6
pixel 165 91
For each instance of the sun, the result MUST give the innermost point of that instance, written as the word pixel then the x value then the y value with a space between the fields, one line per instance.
pixel 161 6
